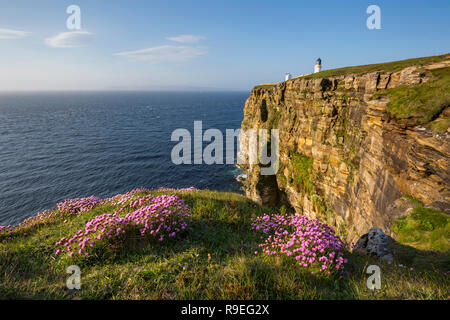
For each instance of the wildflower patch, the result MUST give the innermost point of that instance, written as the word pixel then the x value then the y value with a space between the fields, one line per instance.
pixel 72 206
pixel 159 217
pixel 306 240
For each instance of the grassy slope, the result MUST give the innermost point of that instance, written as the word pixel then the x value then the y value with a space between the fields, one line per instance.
pixel 423 102
pixel 424 228
pixel 218 251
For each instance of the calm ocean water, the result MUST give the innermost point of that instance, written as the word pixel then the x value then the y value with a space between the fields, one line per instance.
pixel 55 146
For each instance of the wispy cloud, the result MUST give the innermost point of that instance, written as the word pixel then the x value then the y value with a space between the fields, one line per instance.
pixel 12 34
pixel 165 53
pixel 187 38
pixel 72 39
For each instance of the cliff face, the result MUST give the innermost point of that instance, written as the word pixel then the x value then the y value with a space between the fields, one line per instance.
pixel 344 157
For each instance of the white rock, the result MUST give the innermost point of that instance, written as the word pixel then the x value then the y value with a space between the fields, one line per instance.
pixel 375 243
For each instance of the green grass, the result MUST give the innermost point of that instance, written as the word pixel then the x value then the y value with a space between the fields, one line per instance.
pixel 423 102
pixel 218 251
pixel 302 170
pixel 386 66
pixel 265 86
pixel 413 200
pixel 440 125
pixel 424 228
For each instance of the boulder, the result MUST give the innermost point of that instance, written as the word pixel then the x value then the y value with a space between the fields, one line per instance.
pixel 375 243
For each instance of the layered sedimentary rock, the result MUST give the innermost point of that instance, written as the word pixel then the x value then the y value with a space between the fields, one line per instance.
pixel 343 158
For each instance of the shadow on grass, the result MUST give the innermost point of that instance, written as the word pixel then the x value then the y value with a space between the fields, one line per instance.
pixel 421 259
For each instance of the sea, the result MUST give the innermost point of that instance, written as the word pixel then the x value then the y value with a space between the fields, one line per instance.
pixel 63 145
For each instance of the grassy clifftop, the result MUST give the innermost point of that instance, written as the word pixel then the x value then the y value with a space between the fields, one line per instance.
pixel 421 103
pixel 393 66
pixel 213 258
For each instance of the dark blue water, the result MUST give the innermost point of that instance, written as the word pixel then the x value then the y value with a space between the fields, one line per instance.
pixel 55 146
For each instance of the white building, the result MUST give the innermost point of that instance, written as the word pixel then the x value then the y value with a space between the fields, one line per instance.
pixel 318 66
pixel 288 76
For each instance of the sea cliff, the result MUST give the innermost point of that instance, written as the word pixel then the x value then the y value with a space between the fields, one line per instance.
pixel 355 143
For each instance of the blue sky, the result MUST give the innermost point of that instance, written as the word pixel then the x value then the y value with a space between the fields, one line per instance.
pixel 231 45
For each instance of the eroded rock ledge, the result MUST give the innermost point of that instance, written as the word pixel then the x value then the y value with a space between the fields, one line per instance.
pixel 343 157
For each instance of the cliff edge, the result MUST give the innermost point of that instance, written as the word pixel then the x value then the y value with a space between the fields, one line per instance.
pixel 353 142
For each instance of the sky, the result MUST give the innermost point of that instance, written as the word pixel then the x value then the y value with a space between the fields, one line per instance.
pixel 204 44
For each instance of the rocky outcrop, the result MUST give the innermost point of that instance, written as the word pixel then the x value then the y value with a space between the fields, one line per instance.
pixel 342 157
pixel 375 243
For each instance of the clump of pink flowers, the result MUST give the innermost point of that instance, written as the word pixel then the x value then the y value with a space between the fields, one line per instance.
pixel 179 190
pixel 308 241
pixel 72 206
pixel 122 199
pixel 68 207
pixel 9 232
pixel 41 217
pixel 6 231
pixel 158 217
pixel 126 202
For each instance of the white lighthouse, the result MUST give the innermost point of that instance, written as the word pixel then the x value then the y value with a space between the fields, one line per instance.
pixel 288 76
pixel 318 66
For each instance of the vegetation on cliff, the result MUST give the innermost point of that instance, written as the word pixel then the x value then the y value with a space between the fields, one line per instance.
pixel 302 169
pixel 423 102
pixel 393 66
pixel 424 228
pixel 213 258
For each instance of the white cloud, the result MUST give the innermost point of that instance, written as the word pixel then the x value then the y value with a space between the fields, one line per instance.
pixel 164 53
pixel 186 38
pixel 72 39
pixel 12 34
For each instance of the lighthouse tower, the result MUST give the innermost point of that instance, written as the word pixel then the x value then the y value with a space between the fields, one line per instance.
pixel 318 66
pixel 288 76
